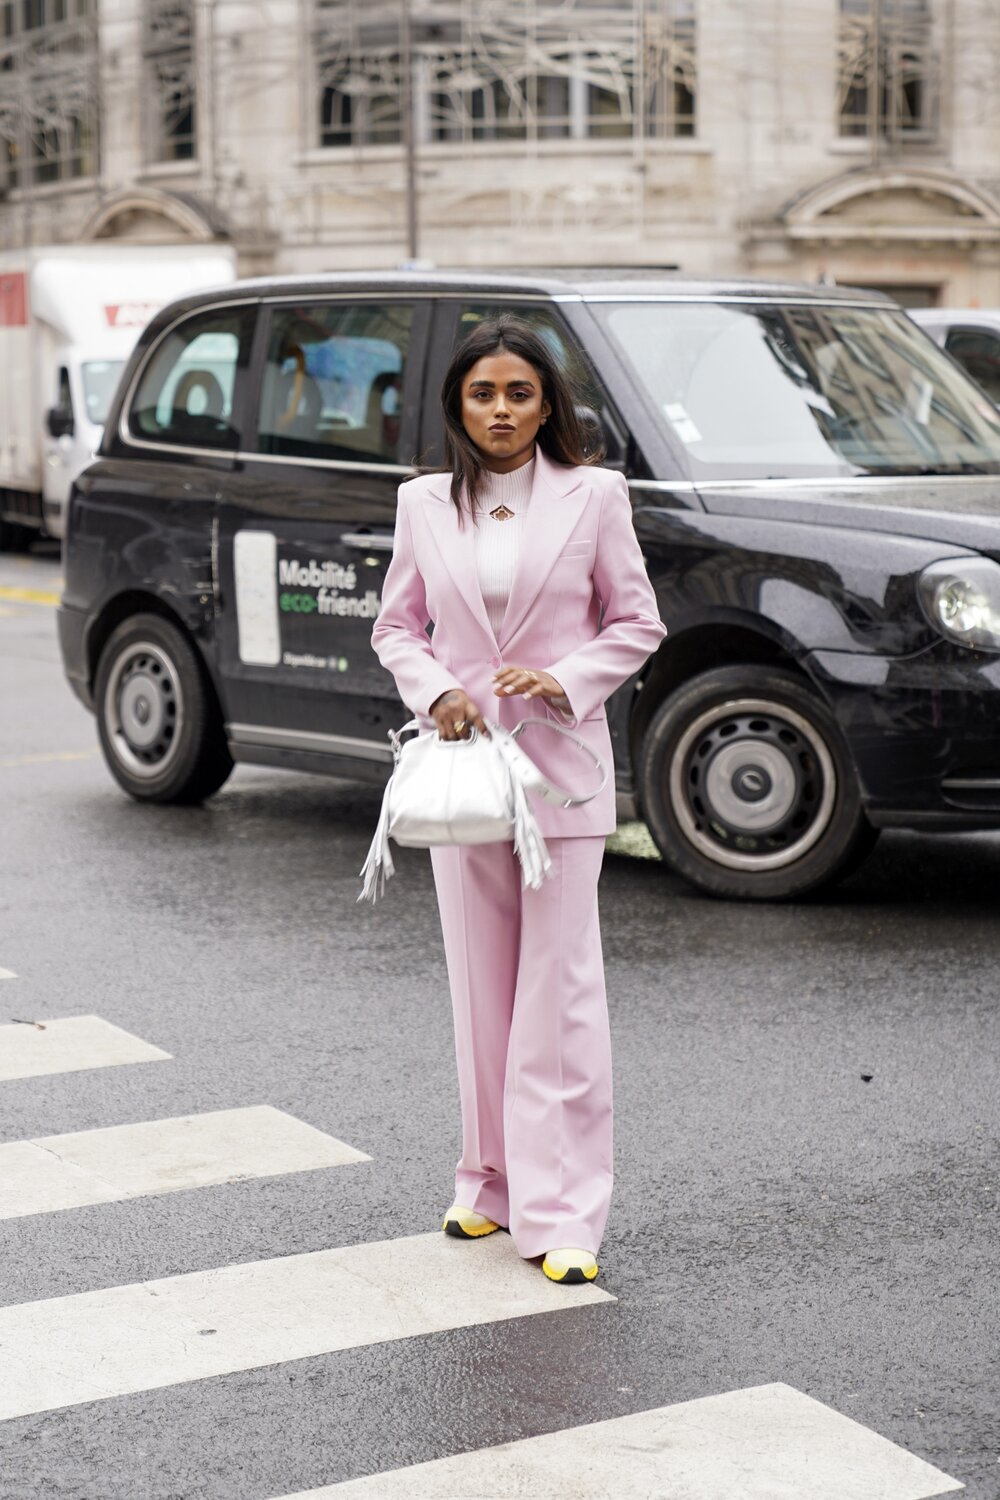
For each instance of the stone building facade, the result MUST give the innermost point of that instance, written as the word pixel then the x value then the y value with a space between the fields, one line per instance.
pixel 853 139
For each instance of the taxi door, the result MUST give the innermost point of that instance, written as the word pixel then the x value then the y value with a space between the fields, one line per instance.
pixel 306 527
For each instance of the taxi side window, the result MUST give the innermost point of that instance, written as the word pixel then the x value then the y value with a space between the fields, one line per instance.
pixel 333 382
pixel 185 396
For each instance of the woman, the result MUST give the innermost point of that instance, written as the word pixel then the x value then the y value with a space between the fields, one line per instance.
pixel 524 557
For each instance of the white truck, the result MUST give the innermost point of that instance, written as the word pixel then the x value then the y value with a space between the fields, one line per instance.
pixel 69 318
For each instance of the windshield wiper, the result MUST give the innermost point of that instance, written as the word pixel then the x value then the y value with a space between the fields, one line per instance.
pixel 930 471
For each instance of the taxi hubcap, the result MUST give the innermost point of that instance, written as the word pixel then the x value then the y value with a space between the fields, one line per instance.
pixel 752 784
pixel 144 709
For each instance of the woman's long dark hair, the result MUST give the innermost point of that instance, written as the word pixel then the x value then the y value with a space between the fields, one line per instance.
pixel 563 436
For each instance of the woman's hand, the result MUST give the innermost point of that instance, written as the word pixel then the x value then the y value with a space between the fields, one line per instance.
pixel 453 712
pixel 527 682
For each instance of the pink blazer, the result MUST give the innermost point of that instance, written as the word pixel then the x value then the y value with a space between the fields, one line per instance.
pixel 581 607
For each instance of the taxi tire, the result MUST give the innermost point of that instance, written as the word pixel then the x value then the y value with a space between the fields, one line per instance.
pixel 847 837
pixel 201 762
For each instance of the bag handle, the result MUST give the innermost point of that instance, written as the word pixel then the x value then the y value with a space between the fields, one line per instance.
pixel 396 737
pixel 545 789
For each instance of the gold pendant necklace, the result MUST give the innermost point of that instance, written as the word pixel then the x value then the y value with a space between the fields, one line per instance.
pixel 501 513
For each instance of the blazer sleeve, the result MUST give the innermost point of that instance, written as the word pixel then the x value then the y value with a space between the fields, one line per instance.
pixel 631 628
pixel 400 638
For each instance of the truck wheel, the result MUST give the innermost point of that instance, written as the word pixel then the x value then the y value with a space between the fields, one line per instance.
pixel 15 538
pixel 748 788
pixel 160 726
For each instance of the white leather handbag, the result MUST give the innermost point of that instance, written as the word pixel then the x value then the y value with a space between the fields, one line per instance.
pixel 467 791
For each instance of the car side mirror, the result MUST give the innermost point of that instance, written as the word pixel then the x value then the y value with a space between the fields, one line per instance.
pixel 59 421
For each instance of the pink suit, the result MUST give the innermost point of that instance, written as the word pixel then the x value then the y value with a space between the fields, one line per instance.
pixel 525 967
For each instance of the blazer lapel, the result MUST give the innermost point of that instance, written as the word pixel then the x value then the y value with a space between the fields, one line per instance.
pixel 457 546
pixel 552 514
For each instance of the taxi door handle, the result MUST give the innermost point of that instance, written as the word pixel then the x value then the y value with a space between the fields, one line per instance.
pixel 368 541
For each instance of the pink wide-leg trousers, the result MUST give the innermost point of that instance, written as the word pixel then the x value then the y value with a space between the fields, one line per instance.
pixel 532 1041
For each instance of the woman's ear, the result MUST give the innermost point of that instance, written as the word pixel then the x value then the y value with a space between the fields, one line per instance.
pixel 546 409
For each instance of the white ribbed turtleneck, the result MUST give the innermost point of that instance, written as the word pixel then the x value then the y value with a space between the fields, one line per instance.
pixel 499 542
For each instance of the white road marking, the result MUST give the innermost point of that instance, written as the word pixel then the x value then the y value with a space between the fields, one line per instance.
pixel 7 974
pixel 67 1045
pixel 151 1334
pixel 769 1442
pixel 160 1156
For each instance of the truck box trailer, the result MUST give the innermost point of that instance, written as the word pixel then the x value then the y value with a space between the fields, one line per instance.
pixel 69 318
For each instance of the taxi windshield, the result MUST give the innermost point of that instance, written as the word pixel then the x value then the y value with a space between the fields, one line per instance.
pixel 750 390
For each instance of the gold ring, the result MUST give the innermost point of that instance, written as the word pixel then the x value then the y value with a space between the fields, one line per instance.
pixel 459 725
pixel 533 676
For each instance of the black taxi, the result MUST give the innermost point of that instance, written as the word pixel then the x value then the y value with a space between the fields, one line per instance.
pixel 816 490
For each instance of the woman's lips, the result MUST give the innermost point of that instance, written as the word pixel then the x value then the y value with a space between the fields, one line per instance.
pixel 501 427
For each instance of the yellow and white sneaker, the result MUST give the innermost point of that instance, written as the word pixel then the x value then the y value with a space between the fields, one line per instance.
pixel 464 1224
pixel 570 1265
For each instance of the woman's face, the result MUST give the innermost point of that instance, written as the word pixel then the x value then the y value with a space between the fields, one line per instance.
pixel 503 407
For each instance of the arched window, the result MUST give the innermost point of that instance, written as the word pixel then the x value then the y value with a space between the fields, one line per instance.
pixel 888 74
pixel 554 69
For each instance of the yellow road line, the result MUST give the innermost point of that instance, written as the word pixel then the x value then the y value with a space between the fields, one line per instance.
pixel 41 760
pixel 29 596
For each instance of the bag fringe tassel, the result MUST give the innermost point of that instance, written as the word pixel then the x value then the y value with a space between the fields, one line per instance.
pixel 529 845
pixel 378 866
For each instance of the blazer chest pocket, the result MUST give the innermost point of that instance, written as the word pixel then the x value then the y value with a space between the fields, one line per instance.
pixel 575 549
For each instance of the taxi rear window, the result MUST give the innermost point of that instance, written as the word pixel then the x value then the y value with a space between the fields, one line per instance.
pixel 187 391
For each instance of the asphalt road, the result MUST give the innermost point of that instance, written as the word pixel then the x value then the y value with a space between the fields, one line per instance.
pixel 807 1123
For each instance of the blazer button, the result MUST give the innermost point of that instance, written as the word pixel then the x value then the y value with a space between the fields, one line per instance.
pixel 494 661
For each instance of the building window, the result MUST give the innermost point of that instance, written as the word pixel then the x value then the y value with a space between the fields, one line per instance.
pixel 888 74
pixel 559 69
pixel 48 91
pixel 169 64
pixel 357 50
pixel 671 80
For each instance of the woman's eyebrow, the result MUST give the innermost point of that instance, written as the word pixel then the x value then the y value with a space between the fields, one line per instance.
pixel 491 384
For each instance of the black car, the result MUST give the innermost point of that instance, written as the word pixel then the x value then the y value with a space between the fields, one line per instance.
pixel 816 490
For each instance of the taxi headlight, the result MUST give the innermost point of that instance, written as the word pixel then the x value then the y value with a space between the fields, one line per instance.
pixel 961 597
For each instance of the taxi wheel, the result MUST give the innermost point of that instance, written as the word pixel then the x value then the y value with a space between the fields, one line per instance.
pixel 159 723
pixel 748 788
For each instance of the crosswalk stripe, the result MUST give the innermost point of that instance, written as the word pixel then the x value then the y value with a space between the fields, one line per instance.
pixel 124 1339
pixel 160 1156
pixel 756 1444
pixel 7 974
pixel 67 1045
